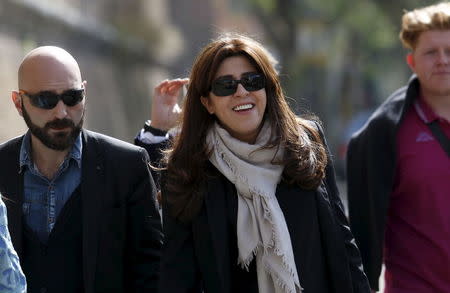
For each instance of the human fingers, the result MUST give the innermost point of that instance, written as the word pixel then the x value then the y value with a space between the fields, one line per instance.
pixel 161 88
pixel 174 86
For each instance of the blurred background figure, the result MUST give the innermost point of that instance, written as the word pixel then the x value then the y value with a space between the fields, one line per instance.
pixel 399 167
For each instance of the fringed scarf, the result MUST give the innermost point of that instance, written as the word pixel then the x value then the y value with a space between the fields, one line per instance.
pixel 261 227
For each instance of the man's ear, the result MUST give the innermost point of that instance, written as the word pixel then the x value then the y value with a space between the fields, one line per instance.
pixel 207 105
pixel 17 100
pixel 84 83
pixel 410 61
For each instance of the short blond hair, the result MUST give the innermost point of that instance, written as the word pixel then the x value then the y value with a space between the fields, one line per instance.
pixel 417 21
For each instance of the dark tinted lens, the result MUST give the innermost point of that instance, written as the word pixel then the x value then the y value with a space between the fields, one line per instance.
pixel 72 97
pixel 48 100
pixel 44 100
pixel 224 87
pixel 253 82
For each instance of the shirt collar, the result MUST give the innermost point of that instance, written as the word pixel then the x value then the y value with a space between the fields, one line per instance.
pixel 25 151
pixel 424 110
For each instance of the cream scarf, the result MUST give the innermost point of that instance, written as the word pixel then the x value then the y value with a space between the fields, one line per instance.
pixel 261 227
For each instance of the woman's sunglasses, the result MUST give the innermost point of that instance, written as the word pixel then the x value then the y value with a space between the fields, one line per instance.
pixel 226 86
pixel 48 100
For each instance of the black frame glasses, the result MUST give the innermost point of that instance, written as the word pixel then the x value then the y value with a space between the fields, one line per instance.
pixel 48 99
pixel 222 87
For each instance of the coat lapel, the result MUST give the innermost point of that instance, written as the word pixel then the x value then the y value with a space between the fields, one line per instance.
pixel 92 185
pixel 333 243
pixel 217 218
pixel 13 195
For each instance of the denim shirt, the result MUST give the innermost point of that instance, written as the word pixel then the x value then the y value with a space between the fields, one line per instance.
pixel 44 198
pixel 12 279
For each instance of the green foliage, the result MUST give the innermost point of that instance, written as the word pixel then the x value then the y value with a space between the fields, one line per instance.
pixel 369 22
pixel 267 6
pixel 328 9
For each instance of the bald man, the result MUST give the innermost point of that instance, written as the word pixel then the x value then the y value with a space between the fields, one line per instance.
pixel 81 206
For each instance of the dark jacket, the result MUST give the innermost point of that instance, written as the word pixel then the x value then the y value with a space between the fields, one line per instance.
pixel 121 228
pixel 196 256
pixel 370 170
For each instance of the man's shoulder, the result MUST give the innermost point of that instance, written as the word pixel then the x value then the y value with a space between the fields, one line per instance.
pixel 110 144
pixel 119 157
pixel 11 145
pixel 9 158
pixel 107 141
pixel 393 103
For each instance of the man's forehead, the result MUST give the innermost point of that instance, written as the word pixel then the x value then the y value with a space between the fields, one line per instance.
pixel 52 79
pixel 432 38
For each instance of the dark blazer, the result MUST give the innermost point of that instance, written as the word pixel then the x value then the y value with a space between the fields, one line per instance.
pixel 370 175
pixel 196 256
pixel 121 225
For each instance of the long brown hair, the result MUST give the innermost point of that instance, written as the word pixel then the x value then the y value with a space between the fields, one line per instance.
pixel 187 159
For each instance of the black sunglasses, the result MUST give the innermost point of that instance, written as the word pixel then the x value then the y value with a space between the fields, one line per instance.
pixel 48 100
pixel 226 86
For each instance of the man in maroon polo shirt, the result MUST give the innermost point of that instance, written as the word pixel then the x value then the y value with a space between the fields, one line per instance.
pixel 398 167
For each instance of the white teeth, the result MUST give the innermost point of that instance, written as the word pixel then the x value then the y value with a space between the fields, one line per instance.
pixel 243 107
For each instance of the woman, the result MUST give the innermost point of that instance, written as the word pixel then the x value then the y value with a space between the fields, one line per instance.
pixel 249 197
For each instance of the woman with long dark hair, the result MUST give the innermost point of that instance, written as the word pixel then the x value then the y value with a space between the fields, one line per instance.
pixel 249 197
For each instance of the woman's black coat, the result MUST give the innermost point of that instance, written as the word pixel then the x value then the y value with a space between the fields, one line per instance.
pixel 196 256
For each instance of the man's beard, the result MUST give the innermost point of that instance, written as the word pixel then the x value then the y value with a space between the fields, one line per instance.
pixel 60 141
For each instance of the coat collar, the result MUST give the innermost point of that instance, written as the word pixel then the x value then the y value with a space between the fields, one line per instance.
pixel 412 93
pixel 92 185
pixel 217 218
pixel 13 193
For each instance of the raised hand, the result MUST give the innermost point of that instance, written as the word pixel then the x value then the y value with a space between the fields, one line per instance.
pixel 165 110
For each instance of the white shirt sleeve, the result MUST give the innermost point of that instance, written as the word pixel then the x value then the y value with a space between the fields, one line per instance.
pixel 149 138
